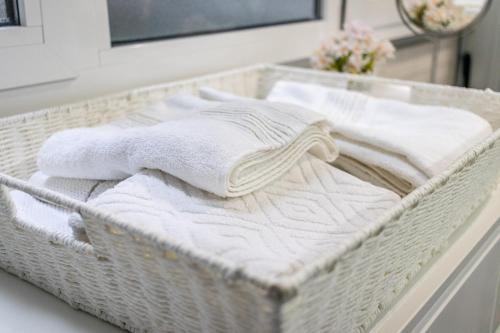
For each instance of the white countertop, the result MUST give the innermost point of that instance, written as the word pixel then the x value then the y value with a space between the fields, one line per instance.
pixel 26 308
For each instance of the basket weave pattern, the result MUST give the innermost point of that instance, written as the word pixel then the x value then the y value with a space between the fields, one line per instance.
pixel 143 284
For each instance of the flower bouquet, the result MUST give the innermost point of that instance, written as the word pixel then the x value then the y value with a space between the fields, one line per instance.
pixel 354 50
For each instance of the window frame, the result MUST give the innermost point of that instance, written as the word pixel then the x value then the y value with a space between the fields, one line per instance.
pixel 27 56
pixel 15 14
pixel 72 50
pixel 29 30
pixel 223 44
pixel 317 17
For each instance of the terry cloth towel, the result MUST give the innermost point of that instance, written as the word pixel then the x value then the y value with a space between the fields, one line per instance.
pixel 401 144
pixel 52 219
pixel 173 107
pixel 229 149
pixel 389 143
pixel 215 95
pixel 389 171
pixel 311 211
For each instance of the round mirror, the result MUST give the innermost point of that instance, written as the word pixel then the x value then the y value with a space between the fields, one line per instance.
pixel 441 18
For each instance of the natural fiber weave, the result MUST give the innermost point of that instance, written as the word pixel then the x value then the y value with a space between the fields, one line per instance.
pixel 141 284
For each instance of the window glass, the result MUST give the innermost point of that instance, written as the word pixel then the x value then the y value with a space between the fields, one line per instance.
pixel 8 12
pixel 132 20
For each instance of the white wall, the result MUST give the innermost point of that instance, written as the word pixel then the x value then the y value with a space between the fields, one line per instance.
pixel 75 60
pixel 415 62
pixel 412 62
pixel 65 54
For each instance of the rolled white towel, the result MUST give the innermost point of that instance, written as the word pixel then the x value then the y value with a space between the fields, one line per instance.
pixel 229 149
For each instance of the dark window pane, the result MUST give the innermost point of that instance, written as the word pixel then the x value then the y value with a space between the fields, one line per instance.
pixel 132 20
pixel 8 12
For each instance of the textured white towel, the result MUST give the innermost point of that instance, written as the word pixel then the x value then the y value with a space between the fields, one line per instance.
pixel 173 107
pixel 229 149
pixel 430 138
pixel 48 217
pixel 372 164
pixel 374 175
pixel 389 143
pixel 215 95
pixel 313 210
pixel 78 189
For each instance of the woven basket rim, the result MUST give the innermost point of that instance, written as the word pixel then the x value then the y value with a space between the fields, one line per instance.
pixel 281 288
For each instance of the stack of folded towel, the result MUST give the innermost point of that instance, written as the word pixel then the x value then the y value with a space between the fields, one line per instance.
pixel 252 181
pixel 389 143
pixel 229 149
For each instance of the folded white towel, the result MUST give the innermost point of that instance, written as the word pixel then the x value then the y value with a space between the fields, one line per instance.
pixel 173 107
pixel 430 138
pixel 374 175
pixel 229 149
pixel 78 189
pixel 215 95
pixel 312 210
pixel 41 215
pixel 389 143
pixel 372 164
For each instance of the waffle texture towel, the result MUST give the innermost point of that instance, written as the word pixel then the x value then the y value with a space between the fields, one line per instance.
pixel 229 149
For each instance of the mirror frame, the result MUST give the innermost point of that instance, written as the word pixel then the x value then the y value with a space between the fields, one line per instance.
pixel 405 17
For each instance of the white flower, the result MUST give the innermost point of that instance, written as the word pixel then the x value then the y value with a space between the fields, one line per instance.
pixel 385 50
pixel 354 50
pixel 354 64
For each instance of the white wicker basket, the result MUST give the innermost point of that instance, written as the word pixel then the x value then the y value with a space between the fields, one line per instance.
pixel 141 284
